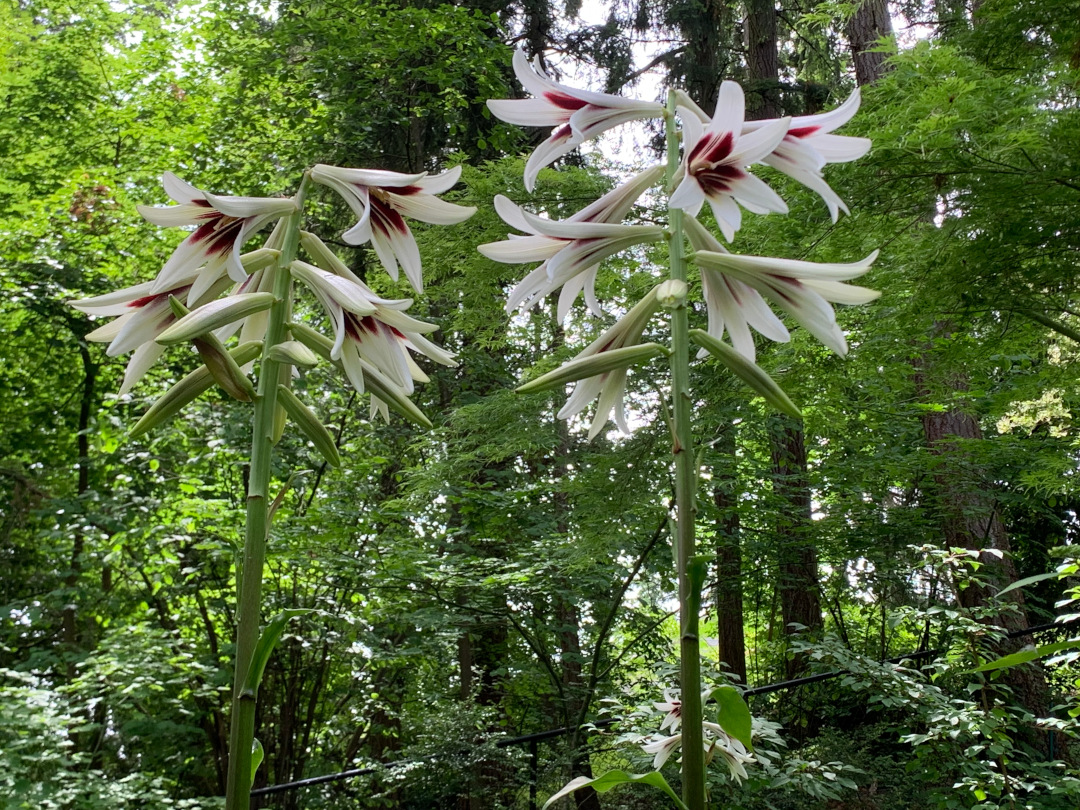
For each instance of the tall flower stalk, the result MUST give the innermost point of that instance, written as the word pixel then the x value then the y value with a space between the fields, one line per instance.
pixel 682 451
pixel 706 160
pixel 227 293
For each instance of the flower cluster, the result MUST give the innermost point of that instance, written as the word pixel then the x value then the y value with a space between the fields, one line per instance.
pixel 718 153
pixel 717 742
pixel 373 338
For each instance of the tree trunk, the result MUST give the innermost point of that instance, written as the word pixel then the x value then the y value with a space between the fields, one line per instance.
pixel 962 499
pixel 731 647
pixel 797 575
pixel 762 61
pixel 870 23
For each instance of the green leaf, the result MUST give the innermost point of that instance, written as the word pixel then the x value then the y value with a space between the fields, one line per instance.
pixel 257 755
pixel 1024 656
pixel 605 782
pixel 592 366
pixel 267 641
pixel 1023 583
pixel 750 373
pixel 733 714
pixel 310 425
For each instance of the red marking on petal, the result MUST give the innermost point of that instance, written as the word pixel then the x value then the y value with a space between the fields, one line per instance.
pixel 223 238
pixel 713 148
pixel 405 191
pixel 564 101
pixel 718 180
pixel 386 219
pixel 149 300
pixel 802 132
pixel 202 203
pixel 562 133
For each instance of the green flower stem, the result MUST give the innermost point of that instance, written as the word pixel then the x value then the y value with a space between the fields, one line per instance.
pixel 693 763
pixel 250 572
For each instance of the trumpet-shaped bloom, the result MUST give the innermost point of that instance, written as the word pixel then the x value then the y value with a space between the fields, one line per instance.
pixel 608 388
pixel 803 289
pixel 731 304
pixel 571 250
pixel 372 330
pixel 672 708
pixel 143 315
pixel 809 144
pixel 381 200
pixel 714 740
pixel 576 115
pixel 222 226
pixel 714 167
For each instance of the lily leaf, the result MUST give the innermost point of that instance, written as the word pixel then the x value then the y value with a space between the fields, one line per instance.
pixel 310 425
pixel 605 782
pixel 190 387
pixel 257 755
pixel 734 715
pixel 749 372
pixel 267 641
pixel 591 366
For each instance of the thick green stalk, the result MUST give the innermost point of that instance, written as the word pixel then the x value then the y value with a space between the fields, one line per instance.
pixel 249 575
pixel 693 763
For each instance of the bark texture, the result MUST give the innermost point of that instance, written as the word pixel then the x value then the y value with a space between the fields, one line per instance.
pixel 870 23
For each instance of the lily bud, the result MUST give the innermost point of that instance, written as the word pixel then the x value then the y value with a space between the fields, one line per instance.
pixel 215 315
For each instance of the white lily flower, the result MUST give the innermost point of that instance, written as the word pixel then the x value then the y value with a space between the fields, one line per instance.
pixel 714 167
pixel 735 755
pixel 803 289
pixel 808 145
pixel 608 388
pixel 672 707
pixel 662 749
pixel 714 740
pixel 372 330
pixel 143 315
pixel 381 200
pixel 731 304
pixel 223 225
pixel 576 115
pixel 571 250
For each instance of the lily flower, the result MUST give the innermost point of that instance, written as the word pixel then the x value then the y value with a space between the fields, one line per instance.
pixel 381 200
pixel 143 315
pixel 714 167
pixel 734 753
pixel 608 388
pixel 672 707
pixel 809 144
pixel 714 740
pixel 222 226
pixel 571 250
pixel 371 330
pixel 803 289
pixel 576 115
pixel 731 304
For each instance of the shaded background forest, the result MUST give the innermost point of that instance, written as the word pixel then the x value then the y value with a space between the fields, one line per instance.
pixel 499 575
